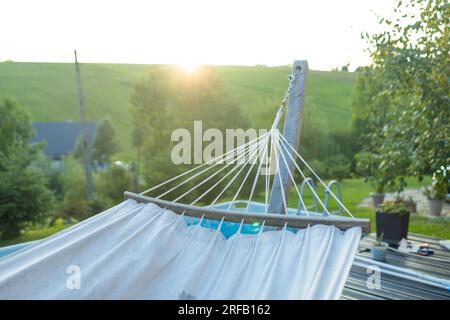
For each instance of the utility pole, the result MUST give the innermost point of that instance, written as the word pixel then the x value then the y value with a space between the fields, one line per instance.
pixel 84 134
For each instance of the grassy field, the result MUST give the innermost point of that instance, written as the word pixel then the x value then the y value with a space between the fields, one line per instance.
pixel 353 190
pixel 48 91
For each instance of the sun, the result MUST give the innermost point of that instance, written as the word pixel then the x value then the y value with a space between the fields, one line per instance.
pixel 189 67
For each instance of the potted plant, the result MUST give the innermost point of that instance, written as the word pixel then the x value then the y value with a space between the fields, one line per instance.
pixel 379 249
pixel 392 220
pixel 437 191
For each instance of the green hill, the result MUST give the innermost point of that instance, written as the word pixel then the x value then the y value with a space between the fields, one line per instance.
pixel 48 91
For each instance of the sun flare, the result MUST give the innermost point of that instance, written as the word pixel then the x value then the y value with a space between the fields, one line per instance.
pixel 189 67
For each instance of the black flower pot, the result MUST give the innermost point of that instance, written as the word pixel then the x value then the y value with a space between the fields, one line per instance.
pixel 393 226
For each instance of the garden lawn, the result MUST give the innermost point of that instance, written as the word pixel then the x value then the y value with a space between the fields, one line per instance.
pixel 35 234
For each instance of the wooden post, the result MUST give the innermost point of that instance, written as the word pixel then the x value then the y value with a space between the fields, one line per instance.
pixel 291 131
pixel 84 135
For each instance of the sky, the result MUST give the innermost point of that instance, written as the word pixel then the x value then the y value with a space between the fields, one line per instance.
pixel 189 32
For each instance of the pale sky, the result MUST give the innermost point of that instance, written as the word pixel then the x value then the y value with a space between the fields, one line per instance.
pixel 240 32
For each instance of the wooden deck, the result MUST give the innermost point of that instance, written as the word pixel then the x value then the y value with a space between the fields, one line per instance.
pixel 395 288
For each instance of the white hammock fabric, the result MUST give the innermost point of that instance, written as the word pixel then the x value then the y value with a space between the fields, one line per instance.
pixel 140 251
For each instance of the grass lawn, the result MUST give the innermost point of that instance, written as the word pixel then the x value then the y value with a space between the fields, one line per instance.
pixel 35 234
pixel 353 191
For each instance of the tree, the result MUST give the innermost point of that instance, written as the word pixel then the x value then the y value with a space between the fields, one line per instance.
pixel 412 60
pixel 137 141
pixel 105 143
pixel 78 148
pixel 345 67
pixel 371 115
pixel 369 109
pixel 24 195
pixel 75 203
pixel 167 99
pixel 114 181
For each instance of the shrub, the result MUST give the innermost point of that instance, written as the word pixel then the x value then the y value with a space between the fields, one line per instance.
pixel 24 199
pixel 338 167
pixel 334 167
pixel 113 182
pixel 74 203
pixel 393 207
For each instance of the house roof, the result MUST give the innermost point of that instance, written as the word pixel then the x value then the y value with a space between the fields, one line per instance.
pixel 61 137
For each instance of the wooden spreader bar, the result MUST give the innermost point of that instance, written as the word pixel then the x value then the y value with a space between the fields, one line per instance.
pixel 271 219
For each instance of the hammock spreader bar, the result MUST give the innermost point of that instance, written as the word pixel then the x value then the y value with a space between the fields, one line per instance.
pixel 269 219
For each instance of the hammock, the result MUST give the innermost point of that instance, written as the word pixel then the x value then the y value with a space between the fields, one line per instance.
pixel 156 247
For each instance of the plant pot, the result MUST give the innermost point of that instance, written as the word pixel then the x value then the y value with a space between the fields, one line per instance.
pixel 377 199
pixel 379 252
pixel 394 227
pixel 435 206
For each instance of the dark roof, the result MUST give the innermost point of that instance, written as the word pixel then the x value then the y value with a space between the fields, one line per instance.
pixel 61 137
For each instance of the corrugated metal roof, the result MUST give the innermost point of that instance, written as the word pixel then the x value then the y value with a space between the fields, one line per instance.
pixel 393 287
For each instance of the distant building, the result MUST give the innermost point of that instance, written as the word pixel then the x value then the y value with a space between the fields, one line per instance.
pixel 61 137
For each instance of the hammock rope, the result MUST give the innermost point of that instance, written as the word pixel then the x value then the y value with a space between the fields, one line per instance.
pixel 304 177
pixel 317 176
pixel 227 154
pixel 270 148
pixel 255 181
pixel 252 156
pixel 283 195
pixel 294 183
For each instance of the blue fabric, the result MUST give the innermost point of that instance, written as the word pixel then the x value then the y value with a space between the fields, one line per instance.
pixel 10 249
